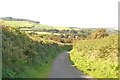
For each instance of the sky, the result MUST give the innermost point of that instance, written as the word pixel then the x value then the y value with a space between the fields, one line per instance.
pixel 73 13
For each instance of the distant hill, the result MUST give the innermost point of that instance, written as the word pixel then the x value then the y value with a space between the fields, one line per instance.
pixel 26 24
pixel 18 19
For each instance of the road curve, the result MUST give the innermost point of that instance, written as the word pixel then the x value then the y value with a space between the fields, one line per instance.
pixel 63 68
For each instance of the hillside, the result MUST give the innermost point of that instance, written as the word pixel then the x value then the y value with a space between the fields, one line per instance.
pixel 27 24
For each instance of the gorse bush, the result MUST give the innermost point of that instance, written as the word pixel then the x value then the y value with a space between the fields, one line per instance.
pixel 98 33
pixel 97 57
pixel 20 53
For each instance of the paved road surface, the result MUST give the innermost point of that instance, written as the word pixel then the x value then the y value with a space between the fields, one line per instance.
pixel 63 68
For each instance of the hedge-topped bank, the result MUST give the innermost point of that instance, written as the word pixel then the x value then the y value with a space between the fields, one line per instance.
pixel 97 57
pixel 20 54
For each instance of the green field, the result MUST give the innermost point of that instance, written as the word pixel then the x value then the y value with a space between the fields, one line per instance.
pixel 34 26
pixel 19 23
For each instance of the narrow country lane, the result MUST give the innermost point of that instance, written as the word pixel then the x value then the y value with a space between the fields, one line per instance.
pixel 63 68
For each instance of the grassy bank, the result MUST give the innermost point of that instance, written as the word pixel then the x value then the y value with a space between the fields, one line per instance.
pixel 37 71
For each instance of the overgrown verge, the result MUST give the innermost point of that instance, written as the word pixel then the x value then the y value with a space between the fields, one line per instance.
pixel 21 54
pixel 97 57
